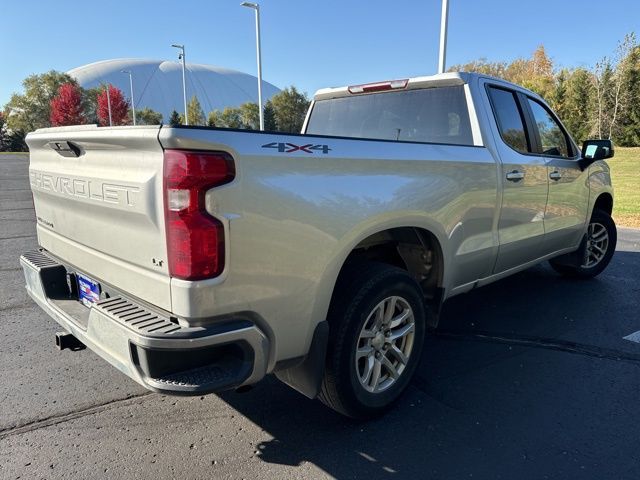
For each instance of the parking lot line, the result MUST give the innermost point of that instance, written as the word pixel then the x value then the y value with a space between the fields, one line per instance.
pixel 634 337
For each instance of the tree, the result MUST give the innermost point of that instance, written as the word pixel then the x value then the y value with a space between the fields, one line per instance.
pixel 66 106
pixel 32 109
pixel 3 133
pixel 90 103
pixel 250 116
pixel 269 117
pixel 174 119
pixel 147 116
pixel 119 107
pixel 213 119
pixel 602 102
pixel 577 107
pixel 11 140
pixel 613 96
pixel 230 118
pixel 603 86
pixel 246 116
pixel 541 78
pixel 535 73
pixel 495 69
pixel 558 99
pixel 289 108
pixel 620 95
pixel 15 141
pixel 194 112
pixel 629 131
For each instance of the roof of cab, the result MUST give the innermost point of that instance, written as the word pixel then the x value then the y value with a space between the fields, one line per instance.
pixel 428 81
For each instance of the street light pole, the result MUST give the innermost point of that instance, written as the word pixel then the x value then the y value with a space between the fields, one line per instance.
pixel 184 81
pixel 444 20
pixel 133 106
pixel 109 104
pixel 256 8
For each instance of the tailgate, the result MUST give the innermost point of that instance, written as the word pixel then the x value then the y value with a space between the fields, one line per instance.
pixel 98 197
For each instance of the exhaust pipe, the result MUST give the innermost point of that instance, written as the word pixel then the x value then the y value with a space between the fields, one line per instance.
pixel 66 340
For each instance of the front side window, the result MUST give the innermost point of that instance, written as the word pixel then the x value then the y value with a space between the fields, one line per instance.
pixel 509 119
pixel 430 115
pixel 552 138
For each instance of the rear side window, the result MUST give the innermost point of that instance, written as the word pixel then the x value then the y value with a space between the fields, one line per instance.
pixel 509 119
pixel 430 115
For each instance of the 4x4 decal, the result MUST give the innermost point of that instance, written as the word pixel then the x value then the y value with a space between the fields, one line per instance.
pixel 292 147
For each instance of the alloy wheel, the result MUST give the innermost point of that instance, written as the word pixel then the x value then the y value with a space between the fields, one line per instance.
pixel 597 244
pixel 385 344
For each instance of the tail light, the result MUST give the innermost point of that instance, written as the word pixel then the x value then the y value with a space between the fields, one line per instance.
pixel 195 239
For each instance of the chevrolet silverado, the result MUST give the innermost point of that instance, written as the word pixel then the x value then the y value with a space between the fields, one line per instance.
pixel 199 259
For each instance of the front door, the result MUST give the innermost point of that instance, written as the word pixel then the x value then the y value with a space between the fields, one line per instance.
pixel 567 206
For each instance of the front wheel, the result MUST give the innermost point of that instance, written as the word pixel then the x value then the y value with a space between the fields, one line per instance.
pixel 377 327
pixel 596 249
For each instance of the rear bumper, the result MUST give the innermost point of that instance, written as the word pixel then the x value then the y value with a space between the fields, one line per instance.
pixel 147 345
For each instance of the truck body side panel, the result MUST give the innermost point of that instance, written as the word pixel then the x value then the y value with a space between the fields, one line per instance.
pixel 293 217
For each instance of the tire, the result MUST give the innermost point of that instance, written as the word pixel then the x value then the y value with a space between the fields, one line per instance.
pixel 595 252
pixel 364 294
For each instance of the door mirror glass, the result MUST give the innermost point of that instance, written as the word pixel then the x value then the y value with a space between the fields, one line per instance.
pixel 593 150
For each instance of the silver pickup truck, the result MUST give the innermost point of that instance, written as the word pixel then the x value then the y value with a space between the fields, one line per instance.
pixel 199 259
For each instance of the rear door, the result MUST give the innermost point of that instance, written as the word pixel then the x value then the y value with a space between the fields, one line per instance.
pixel 567 205
pixel 524 182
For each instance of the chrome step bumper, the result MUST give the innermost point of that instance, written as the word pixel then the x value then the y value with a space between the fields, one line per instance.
pixel 147 344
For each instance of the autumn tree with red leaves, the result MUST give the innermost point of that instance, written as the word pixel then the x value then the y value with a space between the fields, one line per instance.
pixel 66 106
pixel 119 107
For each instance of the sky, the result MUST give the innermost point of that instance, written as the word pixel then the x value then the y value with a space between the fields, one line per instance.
pixel 309 44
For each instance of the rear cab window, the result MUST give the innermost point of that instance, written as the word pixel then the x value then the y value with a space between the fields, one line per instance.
pixel 428 115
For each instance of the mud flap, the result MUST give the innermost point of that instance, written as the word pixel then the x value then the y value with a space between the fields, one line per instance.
pixel 573 259
pixel 306 376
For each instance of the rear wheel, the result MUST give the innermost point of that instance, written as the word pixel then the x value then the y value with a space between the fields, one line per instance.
pixel 377 326
pixel 596 249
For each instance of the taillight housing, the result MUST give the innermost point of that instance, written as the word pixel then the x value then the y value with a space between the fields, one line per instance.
pixel 195 239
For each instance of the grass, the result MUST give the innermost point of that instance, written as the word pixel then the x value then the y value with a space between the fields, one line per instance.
pixel 625 175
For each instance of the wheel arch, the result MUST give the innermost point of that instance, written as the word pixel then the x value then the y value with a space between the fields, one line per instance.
pixel 604 202
pixel 413 246
pixel 305 375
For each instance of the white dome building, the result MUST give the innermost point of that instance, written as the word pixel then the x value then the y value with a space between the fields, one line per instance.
pixel 158 84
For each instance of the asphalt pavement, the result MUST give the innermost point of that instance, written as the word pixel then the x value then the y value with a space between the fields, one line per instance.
pixel 527 378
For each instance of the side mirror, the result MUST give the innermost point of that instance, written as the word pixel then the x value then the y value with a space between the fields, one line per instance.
pixel 593 150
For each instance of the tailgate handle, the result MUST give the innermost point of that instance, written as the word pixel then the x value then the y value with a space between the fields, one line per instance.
pixel 66 149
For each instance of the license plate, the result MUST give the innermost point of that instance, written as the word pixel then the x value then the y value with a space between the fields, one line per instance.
pixel 88 290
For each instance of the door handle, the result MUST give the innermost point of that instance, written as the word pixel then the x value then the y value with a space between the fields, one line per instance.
pixel 555 175
pixel 515 176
